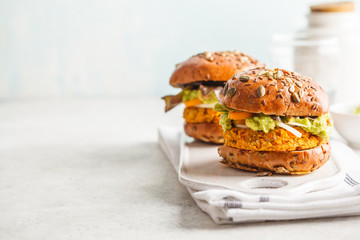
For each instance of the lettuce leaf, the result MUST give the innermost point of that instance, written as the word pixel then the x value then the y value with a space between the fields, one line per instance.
pixel 225 122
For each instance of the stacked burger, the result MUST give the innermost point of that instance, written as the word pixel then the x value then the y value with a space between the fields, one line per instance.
pixel 201 79
pixel 274 121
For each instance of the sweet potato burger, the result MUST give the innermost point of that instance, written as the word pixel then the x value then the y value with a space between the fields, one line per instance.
pixel 274 121
pixel 201 78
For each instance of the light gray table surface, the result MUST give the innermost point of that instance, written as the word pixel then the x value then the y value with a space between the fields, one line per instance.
pixel 92 169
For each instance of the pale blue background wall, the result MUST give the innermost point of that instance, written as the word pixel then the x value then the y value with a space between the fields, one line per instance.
pixel 57 48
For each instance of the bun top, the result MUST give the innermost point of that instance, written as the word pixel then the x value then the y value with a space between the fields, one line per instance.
pixel 275 92
pixel 211 66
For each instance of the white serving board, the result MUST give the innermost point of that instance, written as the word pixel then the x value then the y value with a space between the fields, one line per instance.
pixel 200 169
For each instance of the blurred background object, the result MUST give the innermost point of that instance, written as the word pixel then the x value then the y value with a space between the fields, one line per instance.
pixel 327 49
pixel 123 48
pixel 318 58
pixel 347 122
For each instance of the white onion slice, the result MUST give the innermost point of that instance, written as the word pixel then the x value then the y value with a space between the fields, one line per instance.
pixel 296 124
pixel 240 126
pixel 217 93
pixel 288 128
pixel 205 105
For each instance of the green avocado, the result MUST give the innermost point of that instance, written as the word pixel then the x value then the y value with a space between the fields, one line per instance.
pixel 260 122
pixel 225 122
pixel 188 95
pixel 211 98
pixel 317 126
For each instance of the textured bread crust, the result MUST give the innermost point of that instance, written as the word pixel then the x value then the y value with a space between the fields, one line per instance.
pixel 334 7
pixel 211 66
pixel 291 162
pixel 275 92
pixel 206 132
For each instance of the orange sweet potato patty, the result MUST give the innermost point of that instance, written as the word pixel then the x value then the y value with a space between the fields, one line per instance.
pixel 276 140
pixel 201 115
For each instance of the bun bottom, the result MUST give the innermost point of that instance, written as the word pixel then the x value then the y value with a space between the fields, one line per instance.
pixel 291 162
pixel 206 132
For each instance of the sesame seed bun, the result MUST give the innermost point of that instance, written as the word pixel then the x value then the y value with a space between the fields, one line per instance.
pixel 290 162
pixel 211 67
pixel 275 92
pixel 206 132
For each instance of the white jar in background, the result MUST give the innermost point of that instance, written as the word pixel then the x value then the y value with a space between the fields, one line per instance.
pixel 328 50
pixel 317 58
pixel 345 26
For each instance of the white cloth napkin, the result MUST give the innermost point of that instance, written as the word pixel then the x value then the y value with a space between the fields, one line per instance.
pixel 229 206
